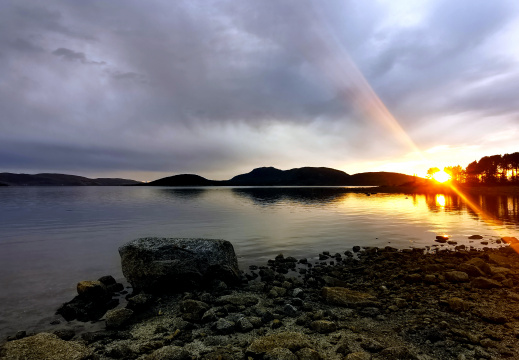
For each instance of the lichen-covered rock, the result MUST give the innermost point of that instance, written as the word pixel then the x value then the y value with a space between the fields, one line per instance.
pixel 117 317
pixel 44 346
pixel 323 326
pixel 159 265
pixel 345 297
pixel 280 354
pixel 169 352
pixel 288 340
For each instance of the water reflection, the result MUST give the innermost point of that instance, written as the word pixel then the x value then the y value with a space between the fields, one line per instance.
pixel 501 207
pixel 183 193
pixel 307 196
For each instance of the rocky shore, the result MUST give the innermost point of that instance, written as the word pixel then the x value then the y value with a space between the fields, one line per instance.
pixel 369 303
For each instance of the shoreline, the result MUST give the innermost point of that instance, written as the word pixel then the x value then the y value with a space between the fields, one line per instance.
pixel 412 303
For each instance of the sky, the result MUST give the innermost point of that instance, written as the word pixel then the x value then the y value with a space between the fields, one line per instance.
pixel 147 89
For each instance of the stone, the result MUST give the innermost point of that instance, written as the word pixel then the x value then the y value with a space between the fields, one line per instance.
pixel 65 334
pixel 290 310
pixel 484 283
pixel 165 265
pixel 480 263
pixel 139 302
pixel 456 276
pixel 348 298
pixel 397 353
pixel 238 299
pixel 170 352
pixel 107 280
pixel 457 304
pixel 510 240
pixel 92 289
pixel 279 354
pixel 244 325
pixel 358 355
pixel 293 341
pixel 224 326
pixel 117 317
pixel 44 346
pixel 472 270
pixel 308 354
pixel 475 237
pixel 323 326
pixel 193 310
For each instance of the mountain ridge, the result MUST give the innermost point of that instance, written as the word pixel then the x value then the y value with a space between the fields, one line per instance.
pixel 54 179
pixel 304 176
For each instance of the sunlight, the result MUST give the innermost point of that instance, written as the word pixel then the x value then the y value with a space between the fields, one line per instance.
pixel 441 176
pixel 440 200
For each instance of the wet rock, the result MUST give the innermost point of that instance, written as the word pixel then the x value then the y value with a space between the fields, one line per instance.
pixel 45 346
pixel 117 317
pixel 475 237
pixel 107 280
pixel 276 324
pixel 323 326
pixel 456 276
pixel 92 290
pixel 158 265
pixel 484 283
pixel 348 298
pixel 371 345
pixel 290 340
pixel 170 353
pixel 355 249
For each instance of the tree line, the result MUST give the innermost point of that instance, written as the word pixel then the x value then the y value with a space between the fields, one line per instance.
pixel 495 169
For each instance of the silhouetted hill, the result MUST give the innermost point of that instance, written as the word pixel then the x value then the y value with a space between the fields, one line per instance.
pixel 183 180
pixel 305 176
pixel 381 179
pixel 60 180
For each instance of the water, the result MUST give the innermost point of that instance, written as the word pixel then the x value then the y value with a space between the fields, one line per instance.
pixel 53 237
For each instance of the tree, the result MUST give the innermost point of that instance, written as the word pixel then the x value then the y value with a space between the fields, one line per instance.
pixel 456 172
pixel 431 172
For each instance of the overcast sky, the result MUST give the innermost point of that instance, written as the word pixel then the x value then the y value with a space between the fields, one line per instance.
pixel 146 89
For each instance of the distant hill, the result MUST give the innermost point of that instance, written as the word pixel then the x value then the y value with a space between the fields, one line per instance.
pixel 305 176
pixel 182 180
pixel 60 180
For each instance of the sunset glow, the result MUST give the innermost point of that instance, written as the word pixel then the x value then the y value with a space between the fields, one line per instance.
pixel 441 176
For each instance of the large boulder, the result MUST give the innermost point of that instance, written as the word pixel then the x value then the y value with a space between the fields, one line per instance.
pixel 162 265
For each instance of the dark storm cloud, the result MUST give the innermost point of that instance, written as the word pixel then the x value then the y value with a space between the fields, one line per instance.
pixel 194 84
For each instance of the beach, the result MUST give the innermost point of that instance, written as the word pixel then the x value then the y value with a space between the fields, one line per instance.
pixel 370 303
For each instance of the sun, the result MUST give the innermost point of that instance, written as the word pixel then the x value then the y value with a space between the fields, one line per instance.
pixel 441 176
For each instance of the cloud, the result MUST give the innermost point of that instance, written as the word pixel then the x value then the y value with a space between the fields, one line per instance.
pixel 207 84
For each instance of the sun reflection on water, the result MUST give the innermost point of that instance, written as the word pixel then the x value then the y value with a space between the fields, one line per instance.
pixel 440 200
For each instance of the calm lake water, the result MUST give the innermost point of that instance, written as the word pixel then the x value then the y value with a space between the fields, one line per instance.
pixel 53 237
